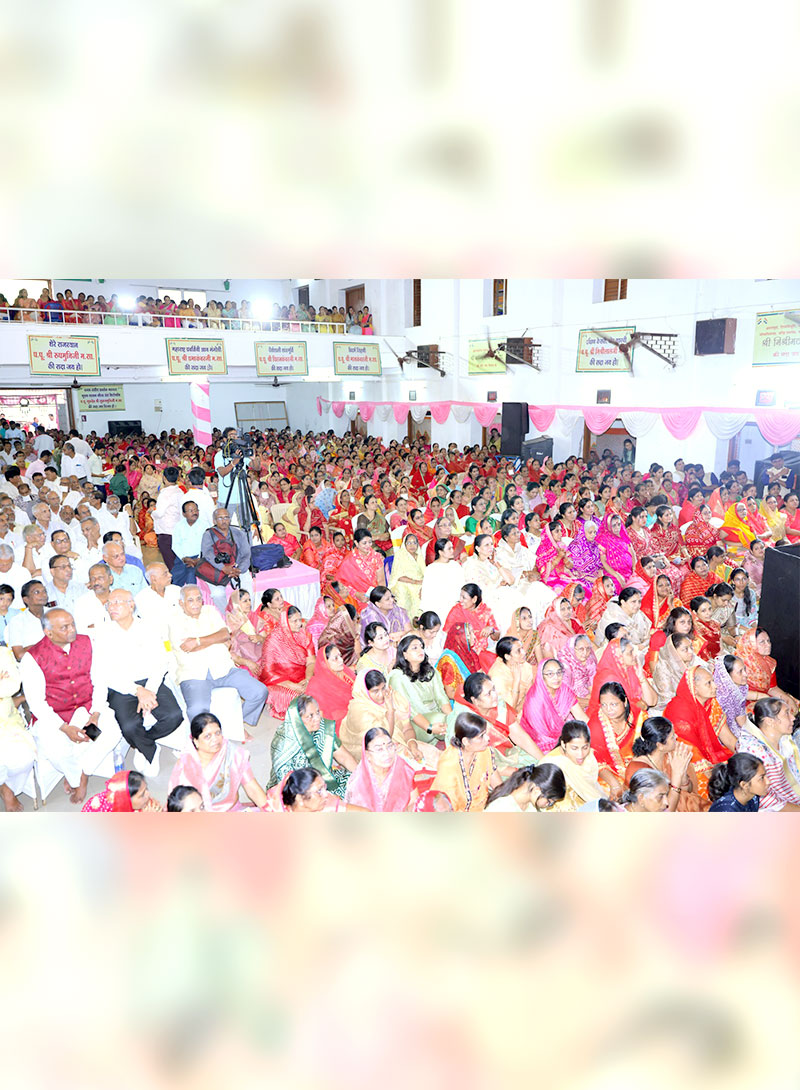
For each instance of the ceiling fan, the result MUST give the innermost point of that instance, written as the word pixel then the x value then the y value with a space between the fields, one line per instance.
pixel 416 355
pixel 504 355
pixel 626 346
pixel 274 384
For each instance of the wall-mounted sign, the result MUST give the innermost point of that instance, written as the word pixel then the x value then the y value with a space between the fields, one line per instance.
pixel 777 338
pixel 603 397
pixel 190 356
pixel 64 355
pixel 478 363
pixel 766 399
pixel 281 358
pixel 98 399
pixel 596 354
pixel 357 359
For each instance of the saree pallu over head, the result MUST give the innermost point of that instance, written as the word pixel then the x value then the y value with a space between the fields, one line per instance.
pixel 668 671
pixel 527 637
pixel 695 722
pixel 114 799
pixel 333 692
pixel 774 521
pixel 700 536
pixel 597 603
pixel 760 668
pixel 554 630
pixel 695 586
pixel 740 527
pixel 392 796
pixel 710 634
pixel 654 607
pixel 285 654
pixel 617 548
pixel 578 675
pixel 544 712
pixel 361 571
pixel 294 746
pixel 586 562
pixel 243 633
pixel 318 622
pixel 612 668
pixel 732 698
pixel 716 505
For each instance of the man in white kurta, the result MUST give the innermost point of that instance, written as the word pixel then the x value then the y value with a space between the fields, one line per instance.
pixel 156 603
pixel 91 615
pixel 67 693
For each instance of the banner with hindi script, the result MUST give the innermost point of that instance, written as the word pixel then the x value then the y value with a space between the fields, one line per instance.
pixel 64 355
pixel 357 360
pixel 97 399
pixel 777 338
pixel 281 358
pixel 193 356
pixel 599 355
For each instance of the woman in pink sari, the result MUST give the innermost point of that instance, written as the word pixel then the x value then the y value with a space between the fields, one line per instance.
pixel 548 705
pixel 246 643
pixel 362 569
pixel 383 782
pixel 169 312
pixel 323 612
pixel 125 793
pixel 580 665
pixel 615 549
pixel 216 768
pixel 552 561
pixel 557 627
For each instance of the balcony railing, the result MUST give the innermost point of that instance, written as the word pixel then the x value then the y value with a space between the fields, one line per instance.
pixel 173 321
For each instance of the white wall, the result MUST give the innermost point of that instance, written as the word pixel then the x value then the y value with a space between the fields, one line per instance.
pixel 453 311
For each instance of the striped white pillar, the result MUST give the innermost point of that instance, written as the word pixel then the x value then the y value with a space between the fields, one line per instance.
pixel 201 413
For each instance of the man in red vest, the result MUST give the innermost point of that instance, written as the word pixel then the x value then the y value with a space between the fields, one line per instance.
pixel 68 703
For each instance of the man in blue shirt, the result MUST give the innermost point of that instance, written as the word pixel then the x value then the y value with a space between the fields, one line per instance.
pixel 125 576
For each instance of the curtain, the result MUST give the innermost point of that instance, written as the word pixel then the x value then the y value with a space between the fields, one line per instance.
pixel 778 428
pixel 400 410
pixel 419 412
pixel 725 425
pixel 383 412
pixel 367 410
pixel 680 423
pixel 599 418
pixel 351 409
pixel 639 424
pixel 461 413
pixel 440 410
pixel 485 414
pixel 541 417
pixel 337 407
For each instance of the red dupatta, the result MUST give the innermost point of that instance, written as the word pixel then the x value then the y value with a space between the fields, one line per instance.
pixel 695 722
pixel 476 647
pixel 597 603
pixel 333 692
pixel 360 571
pixel 285 655
pixel 612 668
pixel 700 535
pixel 115 799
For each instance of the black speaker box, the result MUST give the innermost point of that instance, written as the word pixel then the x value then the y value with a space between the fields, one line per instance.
pixel 541 447
pixel 715 337
pixel 515 427
pixel 125 427
pixel 779 612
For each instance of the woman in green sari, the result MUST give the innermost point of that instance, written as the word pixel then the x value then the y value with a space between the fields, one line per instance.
pixel 417 681
pixel 304 739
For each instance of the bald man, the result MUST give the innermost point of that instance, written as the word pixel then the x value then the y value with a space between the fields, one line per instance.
pixel 67 698
pixel 134 663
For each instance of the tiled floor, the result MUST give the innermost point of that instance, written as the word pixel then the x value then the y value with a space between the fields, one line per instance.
pixel 259 758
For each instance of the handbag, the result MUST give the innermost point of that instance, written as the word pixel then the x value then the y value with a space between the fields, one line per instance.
pixel 211 574
pixel 265 557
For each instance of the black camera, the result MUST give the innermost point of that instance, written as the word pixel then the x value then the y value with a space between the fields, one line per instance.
pixel 222 559
pixel 240 445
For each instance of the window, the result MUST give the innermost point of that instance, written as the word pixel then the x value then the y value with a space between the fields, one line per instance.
pixel 614 290
pixel 417 302
pixel 499 289
pixel 261 414
pixel 178 295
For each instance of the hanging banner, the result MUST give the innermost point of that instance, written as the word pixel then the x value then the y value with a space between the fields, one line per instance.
pixel 777 338
pixel 281 358
pixel 187 356
pixel 63 355
pixel 595 354
pixel 357 359
pixel 97 399
pixel 31 409
pixel 481 364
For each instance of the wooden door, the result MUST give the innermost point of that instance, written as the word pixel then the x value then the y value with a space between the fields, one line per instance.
pixel 354 297
pixel 421 430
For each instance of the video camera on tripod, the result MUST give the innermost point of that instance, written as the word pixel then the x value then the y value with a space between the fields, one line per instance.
pixel 238 446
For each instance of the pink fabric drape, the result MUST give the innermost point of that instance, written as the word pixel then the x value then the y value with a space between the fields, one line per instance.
pixel 367 410
pixel 542 417
pixel 485 414
pixel 400 410
pixel 599 419
pixel 440 410
pixel 337 408
pixel 778 428
pixel 680 423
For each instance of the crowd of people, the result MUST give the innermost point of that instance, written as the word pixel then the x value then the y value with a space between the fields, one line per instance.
pixel 83 309
pixel 491 635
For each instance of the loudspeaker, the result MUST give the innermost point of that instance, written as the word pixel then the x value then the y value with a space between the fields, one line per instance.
pixel 125 427
pixel 715 337
pixel 515 427
pixel 779 612
pixel 541 447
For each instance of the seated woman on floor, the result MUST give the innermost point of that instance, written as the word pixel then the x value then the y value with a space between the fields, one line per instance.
pixel 658 747
pixel 383 781
pixel 585 778
pixel 418 683
pixel 467 769
pixel 512 743
pixel 125 793
pixel 216 768
pixel 738 785
pixel 536 787
pixel 305 739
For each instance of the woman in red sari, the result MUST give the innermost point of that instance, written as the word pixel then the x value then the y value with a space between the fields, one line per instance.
pixel 308 517
pixel 700 534
pixel 705 629
pixel 125 793
pixel 333 557
pixel 469 626
pixel 754 649
pixel 266 619
pixel 697 581
pixel 287 661
pixel 612 728
pixel 342 515
pixel 698 720
pixel 657 601
pixel 314 549
pixel 362 570
pixel 618 663
pixel 667 542
pixel 331 683
pixel 638 533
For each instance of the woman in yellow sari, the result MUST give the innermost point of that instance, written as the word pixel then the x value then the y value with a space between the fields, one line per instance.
pixel 374 704
pixel 511 673
pixel 582 771
pixel 467 769
pixel 522 629
pixel 773 518
pixel 407 574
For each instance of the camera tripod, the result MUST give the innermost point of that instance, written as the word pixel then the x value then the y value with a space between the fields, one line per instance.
pixel 245 504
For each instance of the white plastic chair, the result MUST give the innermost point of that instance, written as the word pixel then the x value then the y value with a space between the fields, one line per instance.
pixel 226 704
